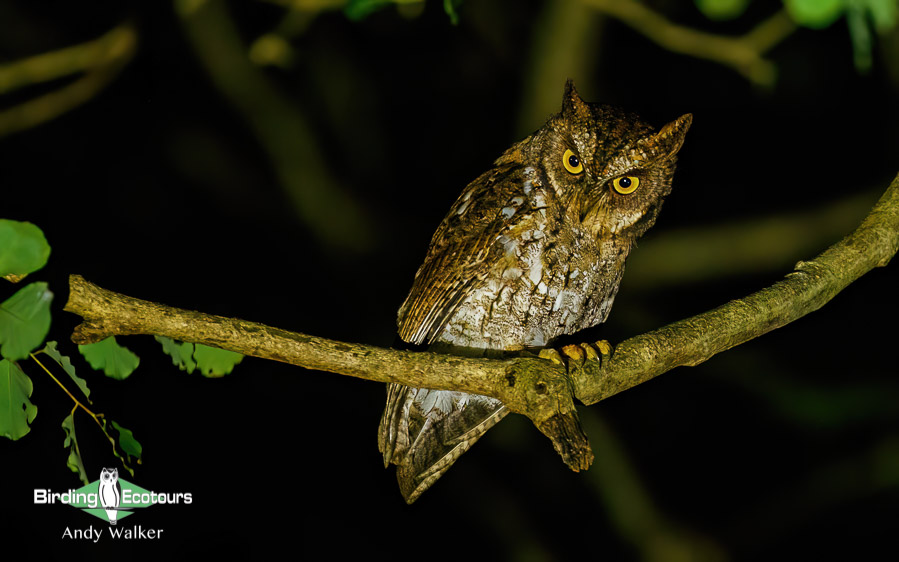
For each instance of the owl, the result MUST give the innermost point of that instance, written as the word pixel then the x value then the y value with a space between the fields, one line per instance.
pixel 110 493
pixel 533 249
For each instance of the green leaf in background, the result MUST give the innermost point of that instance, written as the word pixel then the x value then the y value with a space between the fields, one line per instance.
pixel 883 13
pixel 722 9
pixel 74 461
pixel 860 32
pixel 23 249
pixel 816 14
pixel 451 8
pixel 115 361
pixel 128 443
pixel 66 364
pixel 16 410
pixel 212 361
pixel 215 362
pixel 357 10
pixel 182 353
pixel 24 320
pixel 860 15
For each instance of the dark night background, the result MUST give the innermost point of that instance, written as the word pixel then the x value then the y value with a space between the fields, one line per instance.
pixel 161 187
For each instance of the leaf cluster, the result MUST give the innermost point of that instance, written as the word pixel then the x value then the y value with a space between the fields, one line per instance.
pixel 25 319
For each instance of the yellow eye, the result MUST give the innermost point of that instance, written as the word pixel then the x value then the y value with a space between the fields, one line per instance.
pixel 626 184
pixel 572 163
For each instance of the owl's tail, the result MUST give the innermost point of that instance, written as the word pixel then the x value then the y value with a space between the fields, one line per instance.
pixel 424 431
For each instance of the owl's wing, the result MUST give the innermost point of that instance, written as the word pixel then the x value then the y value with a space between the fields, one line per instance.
pixel 393 433
pixel 453 267
pixel 424 431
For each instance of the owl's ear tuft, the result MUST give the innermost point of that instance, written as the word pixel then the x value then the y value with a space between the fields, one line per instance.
pixel 572 104
pixel 668 141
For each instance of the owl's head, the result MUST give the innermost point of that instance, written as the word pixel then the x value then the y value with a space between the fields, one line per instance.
pixel 610 169
pixel 109 475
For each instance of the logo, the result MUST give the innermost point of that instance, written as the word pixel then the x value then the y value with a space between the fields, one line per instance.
pixel 111 499
pixel 110 492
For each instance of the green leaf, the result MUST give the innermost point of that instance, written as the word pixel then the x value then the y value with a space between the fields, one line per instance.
pixel 127 442
pixel 816 14
pixel 74 461
pixel 451 8
pixel 722 9
pixel 115 361
pixel 357 10
pixel 212 361
pixel 23 249
pixel 860 32
pixel 883 14
pixel 66 364
pixel 24 320
pixel 215 362
pixel 16 410
pixel 182 353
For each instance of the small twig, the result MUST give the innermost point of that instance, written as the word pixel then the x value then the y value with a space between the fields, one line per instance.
pixel 101 51
pixel 101 58
pixel 744 54
pixel 79 404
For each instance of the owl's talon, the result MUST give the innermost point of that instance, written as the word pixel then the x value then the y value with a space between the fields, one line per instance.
pixel 552 355
pixel 591 352
pixel 576 352
pixel 604 347
pixel 588 351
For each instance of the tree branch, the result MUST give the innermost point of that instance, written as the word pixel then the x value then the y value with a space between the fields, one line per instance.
pixel 806 289
pixel 744 54
pixel 101 59
pixel 537 388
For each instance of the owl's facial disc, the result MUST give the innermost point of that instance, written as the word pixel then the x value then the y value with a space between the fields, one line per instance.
pixel 609 213
pixel 633 181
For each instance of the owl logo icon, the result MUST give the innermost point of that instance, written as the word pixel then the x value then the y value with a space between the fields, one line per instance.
pixel 110 493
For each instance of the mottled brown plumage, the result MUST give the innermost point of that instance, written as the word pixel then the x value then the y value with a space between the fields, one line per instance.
pixel 533 249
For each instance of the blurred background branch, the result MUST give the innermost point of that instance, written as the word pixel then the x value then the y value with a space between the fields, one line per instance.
pixel 563 46
pixel 632 511
pixel 705 254
pixel 100 60
pixel 273 47
pixel 325 206
pixel 744 54
pixel 807 288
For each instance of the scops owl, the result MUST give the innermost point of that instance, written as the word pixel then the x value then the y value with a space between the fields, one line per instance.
pixel 533 249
